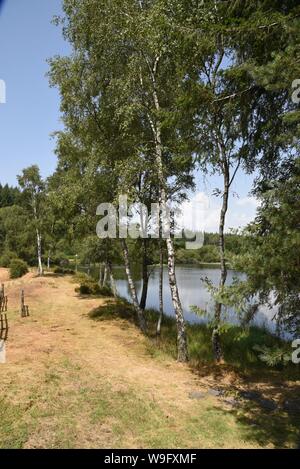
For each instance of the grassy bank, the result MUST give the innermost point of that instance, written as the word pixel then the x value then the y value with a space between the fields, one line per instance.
pixel 79 374
pixel 238 343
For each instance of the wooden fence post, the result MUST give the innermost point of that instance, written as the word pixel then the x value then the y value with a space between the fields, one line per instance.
pixel 3 315
pixel 3 300
pixel 24 309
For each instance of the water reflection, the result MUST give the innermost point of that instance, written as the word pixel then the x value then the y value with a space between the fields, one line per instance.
pixel 192 292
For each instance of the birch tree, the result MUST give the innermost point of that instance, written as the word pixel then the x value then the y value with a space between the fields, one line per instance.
pixel 122 82
pixel 236 95
pixel 33 188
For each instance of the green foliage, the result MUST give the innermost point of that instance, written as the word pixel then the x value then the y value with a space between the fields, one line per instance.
pixel 210 252
pixel 271 255
pixel 60 259
pixel 106 291
pixel 221 326
pixel 274 356
pixel 31 183
pixel 239 344
pixel 8 196
pixel 63 271
pixel 209 83
pixel 88 286
pixel 6 258
pixel 17 233
pixel 17 268
pixel 92 249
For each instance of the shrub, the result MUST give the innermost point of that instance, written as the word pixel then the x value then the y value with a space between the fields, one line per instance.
pixel 106 291
pixel 6 259
pixel 81 277
pixel 88 286
pixel 17 268
pixel 85 289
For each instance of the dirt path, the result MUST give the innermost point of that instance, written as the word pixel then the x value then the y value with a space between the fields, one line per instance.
pixel 72 382
pixel 4 276
pixel 114 349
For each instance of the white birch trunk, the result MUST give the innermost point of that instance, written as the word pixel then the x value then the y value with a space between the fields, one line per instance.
pixel 38 236
pixel 182 349
pixel 161 286
pixel 104 281
pixel 216 340
pixel 132 289
pixel 100 282
pixel 39 252
pixel 112 280
pixel 49 260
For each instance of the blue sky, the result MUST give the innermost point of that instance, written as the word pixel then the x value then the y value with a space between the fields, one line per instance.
pixel 31 112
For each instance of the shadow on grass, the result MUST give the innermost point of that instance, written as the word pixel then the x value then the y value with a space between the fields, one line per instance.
pixel 269 429
pixel 113 309
pixel 258 391
pixel 237 343
pixel 91 297
pixel 49 274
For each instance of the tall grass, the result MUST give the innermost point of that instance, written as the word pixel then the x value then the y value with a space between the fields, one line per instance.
pixel 238 343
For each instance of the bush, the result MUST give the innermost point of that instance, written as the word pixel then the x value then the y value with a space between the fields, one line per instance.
pixel 106 291
pixel 88 286
pixel 6 259
pixel 85 289
pixel 17 268
pixel 81 277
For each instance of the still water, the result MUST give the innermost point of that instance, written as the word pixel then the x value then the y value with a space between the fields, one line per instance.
pixel 192 291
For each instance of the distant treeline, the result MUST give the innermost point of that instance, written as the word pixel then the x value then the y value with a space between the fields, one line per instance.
pixel 8 195
pixel 210 252
pixel 17 237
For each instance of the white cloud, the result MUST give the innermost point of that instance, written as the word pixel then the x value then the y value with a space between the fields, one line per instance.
pixel 247 202
pixel 202 213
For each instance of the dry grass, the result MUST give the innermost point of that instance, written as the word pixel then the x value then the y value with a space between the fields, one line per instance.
pixel 71 382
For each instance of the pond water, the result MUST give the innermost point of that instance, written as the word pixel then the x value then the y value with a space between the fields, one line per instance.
pixel 192 291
